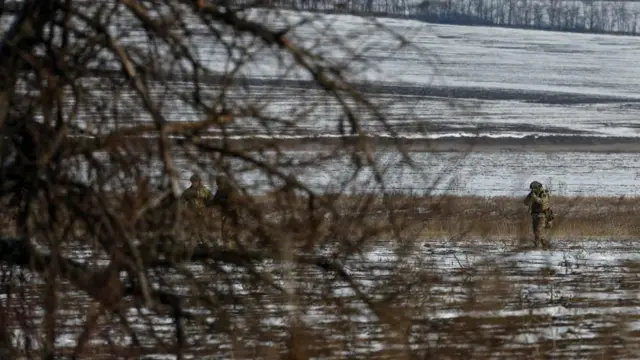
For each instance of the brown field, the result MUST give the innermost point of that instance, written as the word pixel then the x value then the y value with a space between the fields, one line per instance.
pixel 507 217
pixel 438 217
pixel 468 217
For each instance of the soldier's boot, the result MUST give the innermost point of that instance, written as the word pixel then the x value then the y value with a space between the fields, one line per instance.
pixel 536 239
pixel 545 244
pixel 536 243
pixel 223 232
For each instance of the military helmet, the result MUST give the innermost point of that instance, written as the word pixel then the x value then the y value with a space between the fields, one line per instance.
pixel 195 177
pixel 535 185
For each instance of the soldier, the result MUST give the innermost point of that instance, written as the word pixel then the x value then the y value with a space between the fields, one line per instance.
pixel 226 198
pixel 541 215
pixel 198 198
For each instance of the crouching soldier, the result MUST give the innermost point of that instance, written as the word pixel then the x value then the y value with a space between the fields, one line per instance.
pixel 541 214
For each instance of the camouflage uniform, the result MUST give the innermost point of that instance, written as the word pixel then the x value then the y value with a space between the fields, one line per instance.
pixel 197 198
pixel 541 215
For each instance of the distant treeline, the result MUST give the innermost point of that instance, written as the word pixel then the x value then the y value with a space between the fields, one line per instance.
pixel 603 17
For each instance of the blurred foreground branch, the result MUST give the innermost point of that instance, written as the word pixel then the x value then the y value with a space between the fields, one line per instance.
pixel 106 112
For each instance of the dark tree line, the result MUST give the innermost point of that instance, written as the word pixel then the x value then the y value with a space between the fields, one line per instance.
pixel 575 16
pixel 602 17
pixel 579 16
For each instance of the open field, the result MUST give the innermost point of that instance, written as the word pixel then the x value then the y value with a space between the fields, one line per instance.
pixel 454 81
pixel 506 82
pixel 462 56
pixel 419 111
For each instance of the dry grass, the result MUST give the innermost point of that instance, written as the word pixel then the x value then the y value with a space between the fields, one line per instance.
pixel 468 216
pixel 507 217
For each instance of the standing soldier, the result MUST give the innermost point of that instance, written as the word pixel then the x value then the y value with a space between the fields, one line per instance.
pixel 226 198
pixel 198 198
pixel 541 215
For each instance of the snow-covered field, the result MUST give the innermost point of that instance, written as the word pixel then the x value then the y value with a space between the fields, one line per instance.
pixel 579 299
pixel 458 173
pixel 416 116
pixel 503 82
pixel 463 56
pixel 481 174
pixel 509 173
pixel 520 76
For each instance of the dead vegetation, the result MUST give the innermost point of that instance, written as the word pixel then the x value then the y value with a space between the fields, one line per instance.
pixel 507 218
pixel 478 218
pixel 428 217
